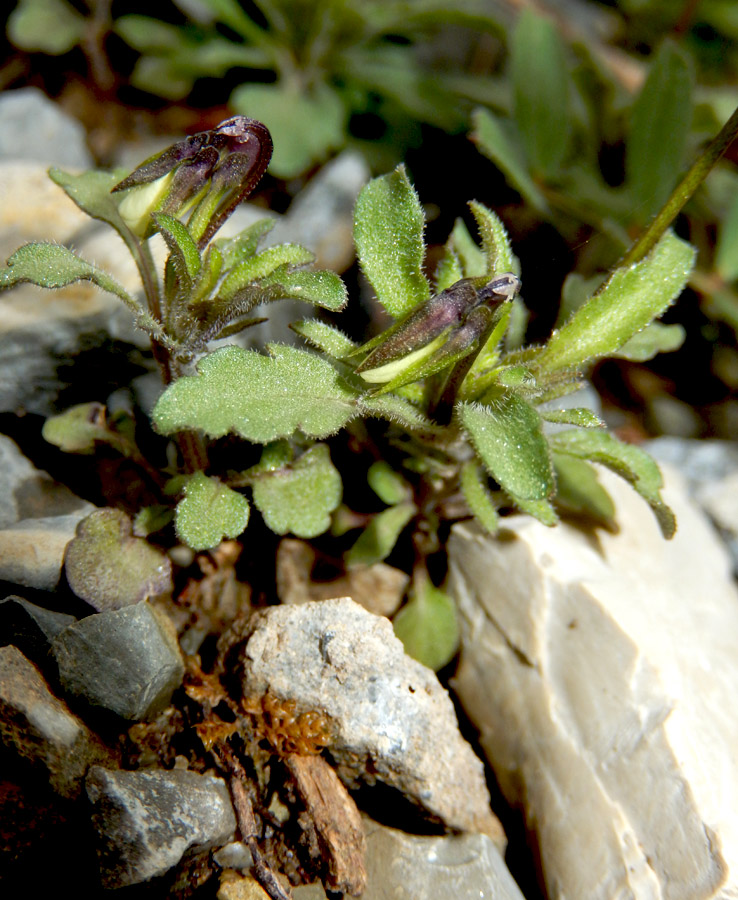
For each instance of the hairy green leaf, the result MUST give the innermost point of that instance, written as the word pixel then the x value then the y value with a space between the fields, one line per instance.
pixel 387 484
pixel 474 487
pixel 428 626
pixel 243 245
pixel 448 271
pixel 629 301
pixel 78 428
pixel 654 339
pixel 540 509
pixel 626 460
pixel 580 416
pixel 324 337
pixel 91 192
pixel 540 92
pixel 209 512
pixel 507 438
pixel 395 409
pixel 495 241
pixel 262 265
pixel 184 252
pixel 471 257
pixel 300 498
pixel 378 539
pixel 660 122
pixel 322 288
pixel 259 397
pixel 388 232
pixel 497 144
pixel 110 568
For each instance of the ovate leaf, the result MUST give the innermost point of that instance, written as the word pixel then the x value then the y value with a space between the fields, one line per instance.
pixel 110 568
pixel 324 337
pixel 540 91
pixel 378 539
pixel 300 498
pixel 48 26
pixel 579 492
pixel 209 512
pixel 508 439
pixel 91 192
pixel 262 398
pixel 387 484
pixel 263 264
pixel 428 626
pixel 388 232
pixel 580 416
pixel 626 460
pixel 629 301
pixel 478 498
pixel 660 123
pixel 322 288
pixel 77 429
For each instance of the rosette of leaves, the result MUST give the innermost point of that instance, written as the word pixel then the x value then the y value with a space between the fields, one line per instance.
pixel 463 405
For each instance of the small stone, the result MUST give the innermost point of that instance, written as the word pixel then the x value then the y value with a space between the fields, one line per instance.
pixel 34 127
pixel 125 660
pixel 40 727
pixel 407 867
pixel 601 671
pixel 149 819
pixel 30 628
pixel 235 886
pixel 392 718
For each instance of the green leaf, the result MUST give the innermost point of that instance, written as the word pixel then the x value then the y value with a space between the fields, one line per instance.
pixel 324 337
pixel 78 428
pixel 540 91
pixel 539 509
pixel 305 125
pixel 388 232
pixel 479 500
pixel 472 259
pixel 626 460
pixel 300 498
pixel 507 438
pixel 378 539
pixel 396 409
pixel 150 519
pixel 243 245
pixel 184 253
pixel 110 568
pixel 495 241
pixel 54 266
pixel 388 485
pixel 262 265
pixel 654 339
pixel 660 123
pixel 726 251
pixel 321 288
pixel 448 271
pixel 91 192
pixel 497 144
pixel 262 398
pixel 48 26
pixel 428 626
pixel 579 416
pixel 629 301
pixel 579 492
pixel 209 512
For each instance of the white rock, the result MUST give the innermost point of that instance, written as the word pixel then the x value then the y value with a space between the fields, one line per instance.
pixel 34 127
pixel 602 672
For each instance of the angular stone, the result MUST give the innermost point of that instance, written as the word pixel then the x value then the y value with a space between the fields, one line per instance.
pixel 392 719
pixel 149 819
pixel 32 550
pixel 125 660
pixel 30 628
pixel 602 670
pixel 41 728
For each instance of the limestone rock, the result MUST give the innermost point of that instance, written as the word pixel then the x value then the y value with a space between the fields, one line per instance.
pixel 125 660
pixel 32 551
pixel 41 728
pixel 602 670
pixel 34 127
pixel 393 721
pixel 147 820
pixel 29 627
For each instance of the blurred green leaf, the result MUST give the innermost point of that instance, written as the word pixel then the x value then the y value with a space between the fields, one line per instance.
pixel 654 339
pixel 428 626
pixel 49 26
pixel 387 484
pixel 629 301
pixel 300 498
pixel 259 397
pixel 378 539
pixel 726 251
pixel 626 460
pixel 471 257
pixel 91 192
pixel 579 492
pixel 660 122
pixel 78 428
pixel 579 416
pixel 497 142
pixel 388 231
pixel 507 437
pixel 540 84
pixel 209 512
